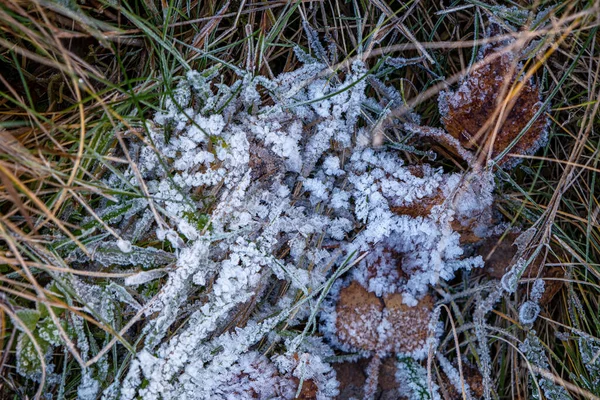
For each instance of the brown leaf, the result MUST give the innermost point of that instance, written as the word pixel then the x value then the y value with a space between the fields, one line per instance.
pixel 309 389
pixel 264 163
pixel 473 380
pixel 498 257
pixel 474 111
pixel 360 314
pixel 409 325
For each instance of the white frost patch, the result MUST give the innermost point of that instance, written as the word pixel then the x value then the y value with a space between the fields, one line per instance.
pixel 263 189
pixel 124 245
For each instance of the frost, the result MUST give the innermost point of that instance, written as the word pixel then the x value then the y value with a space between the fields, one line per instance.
pixel 385 195
pixel 148 256
pixel 530 309
pixel 260 193
pixel 317 189
pixel 483 307
pixel 339 199
pixel 88 388
pixel 528 312
pixel 142 277
pixel 331 166
pixel 124 245
pixel 510 280
pixel 590 353
pixel 380 271
pixel 537 290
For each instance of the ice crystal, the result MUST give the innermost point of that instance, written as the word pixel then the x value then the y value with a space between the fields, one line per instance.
pixel 537 290
pixel 528 312
pixel 124 245
pixel 308 365
pixel 530 309
pixel 590 353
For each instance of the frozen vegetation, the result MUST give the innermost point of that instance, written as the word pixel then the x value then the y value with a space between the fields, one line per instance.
pixel 254 199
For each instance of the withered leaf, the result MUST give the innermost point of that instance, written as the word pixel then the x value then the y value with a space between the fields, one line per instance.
pixel 381 324
pixel 498 255
pixel 475 110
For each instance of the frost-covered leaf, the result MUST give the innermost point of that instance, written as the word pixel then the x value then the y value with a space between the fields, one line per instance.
pixel 28 360
pixel 142 277
pixel 536 355
pixel 146 256
pixel 361 321
pixel 414 383
pixel 475 112
pixel 46 337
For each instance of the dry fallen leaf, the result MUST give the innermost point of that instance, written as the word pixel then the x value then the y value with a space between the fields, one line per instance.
pixel 352 378
pixel 264 163
pixel 498 257
pixel 475 113
pixel 381 325
pixel 473 380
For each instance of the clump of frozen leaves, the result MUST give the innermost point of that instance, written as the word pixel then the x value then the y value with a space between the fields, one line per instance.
pixel 253 198
pixel 246 189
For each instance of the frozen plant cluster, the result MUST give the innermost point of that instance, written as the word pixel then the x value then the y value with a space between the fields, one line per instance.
pixel 256 194
pixel 536 355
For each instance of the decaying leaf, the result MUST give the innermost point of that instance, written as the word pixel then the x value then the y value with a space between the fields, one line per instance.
pixel 352 378
pixel 473 380
pixel 498 254
pixel 381 324
pixel 493 104
pixel 264 163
